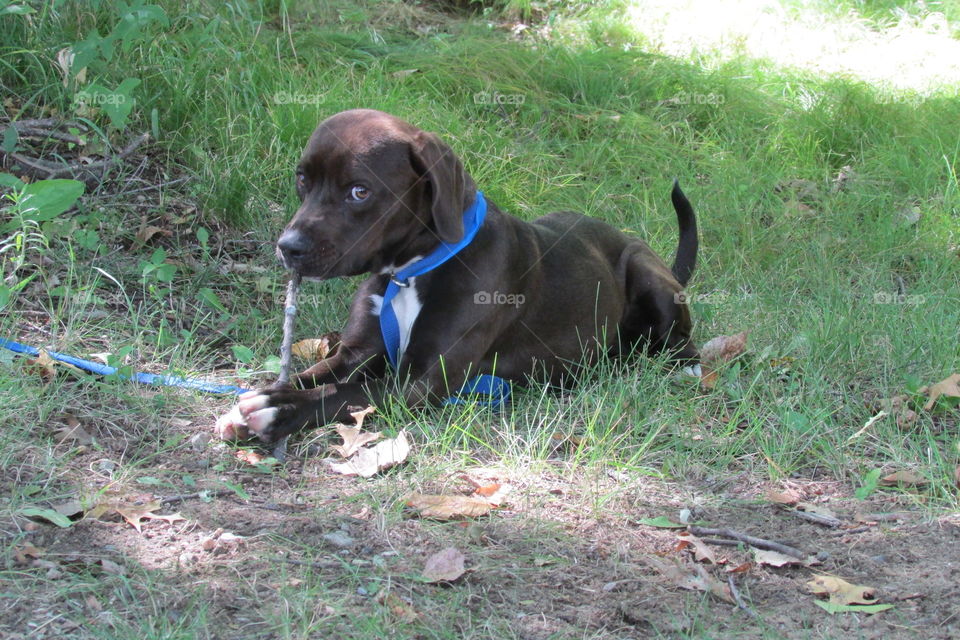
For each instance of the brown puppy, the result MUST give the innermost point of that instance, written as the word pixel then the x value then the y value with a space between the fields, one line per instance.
pixel 520 300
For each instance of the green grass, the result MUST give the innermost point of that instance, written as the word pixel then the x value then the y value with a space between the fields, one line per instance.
pixel 598 119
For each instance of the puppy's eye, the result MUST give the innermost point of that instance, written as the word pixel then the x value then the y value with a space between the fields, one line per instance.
pixel 359 193
pixel 301 181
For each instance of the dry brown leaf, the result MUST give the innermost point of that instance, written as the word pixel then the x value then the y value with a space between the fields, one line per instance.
pixel 693 579
pixel 816 509
pixel 314 349
pixel 249 456
pixel 903 478
pixel 840 591
pixel 43 365
pixel 399 607
pixel 360 416
pixel 353 439
pixel 134 514
pixel 777 559
pixel 444 566
pixel 948 387
pixel 448 507
pixel 487 490
pixel 565 440
pixel 716 352
pixel 701 552
pixel 788 497
pixel 25 553
pixel 369 461
pixel 146 232
pixel 741 568
pixel 72 432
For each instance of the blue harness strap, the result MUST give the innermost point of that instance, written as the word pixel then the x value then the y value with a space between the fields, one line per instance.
pixel 104 370
pixel 497 390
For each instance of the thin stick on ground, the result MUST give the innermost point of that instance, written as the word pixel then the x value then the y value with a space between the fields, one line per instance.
pixel 740 603
pixel 753 541
pixel 286 349
pixel 183 497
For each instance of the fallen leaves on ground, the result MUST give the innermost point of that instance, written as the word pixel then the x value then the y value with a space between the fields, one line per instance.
pixel 701 552
pixel 903 478
pixel 946 388
pixel 43 365
pixel 789 497
pixel 843 596
pixel 353 439
pixel 692 578
pixel 71 432
pixel 718 351
pixel 400 607
pixel 448 507
pixel 315 349
pixel 133 513
pixel 444 566
pixel 368 461
pixel 148 231
pixel 495 493
pixel 777 559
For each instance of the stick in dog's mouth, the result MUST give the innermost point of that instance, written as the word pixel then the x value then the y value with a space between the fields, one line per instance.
pixel 286 348
pixel 289 316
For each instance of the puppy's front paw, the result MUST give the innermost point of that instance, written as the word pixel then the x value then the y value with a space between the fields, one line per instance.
pixel 253 415
pixel 268 414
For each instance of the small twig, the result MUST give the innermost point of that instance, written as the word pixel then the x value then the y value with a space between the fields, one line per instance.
pixel 44 169
pixel 760 543
pixel 740 604
pixel 817 518
pixel 286 349
pixel 30 132
pixel 844 532
pixel 183 497
pixel 722 543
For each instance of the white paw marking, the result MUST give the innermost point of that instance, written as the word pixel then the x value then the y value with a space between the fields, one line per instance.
pixel 694 371
pixel 260 420
pixel 231 425
pixel 251 404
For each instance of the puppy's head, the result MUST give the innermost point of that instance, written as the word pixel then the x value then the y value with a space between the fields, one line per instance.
pixel 375 192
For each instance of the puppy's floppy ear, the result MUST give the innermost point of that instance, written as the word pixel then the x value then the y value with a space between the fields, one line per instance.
pixel 450 188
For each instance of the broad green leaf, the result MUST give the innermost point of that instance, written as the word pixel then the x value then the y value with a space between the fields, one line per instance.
pixel 662 522
pixel 47 514
pixel 47 199
pixel 831 607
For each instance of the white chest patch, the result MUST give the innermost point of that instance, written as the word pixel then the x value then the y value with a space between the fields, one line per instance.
pixel 406 306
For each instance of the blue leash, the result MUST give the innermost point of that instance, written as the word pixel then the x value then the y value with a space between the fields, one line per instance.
pixel 495 388
pixel 104 370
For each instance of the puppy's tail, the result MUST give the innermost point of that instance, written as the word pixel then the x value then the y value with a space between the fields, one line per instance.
pixel 686 258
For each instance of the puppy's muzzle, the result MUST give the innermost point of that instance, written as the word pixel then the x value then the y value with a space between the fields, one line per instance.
pixel 293 249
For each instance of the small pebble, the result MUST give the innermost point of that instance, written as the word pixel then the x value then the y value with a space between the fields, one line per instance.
pixel 199 441
pixel 339 539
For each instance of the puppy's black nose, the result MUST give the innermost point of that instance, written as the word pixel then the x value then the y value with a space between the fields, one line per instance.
pixel 292 247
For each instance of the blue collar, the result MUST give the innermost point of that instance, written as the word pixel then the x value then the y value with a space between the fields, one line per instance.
pixel 473 217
